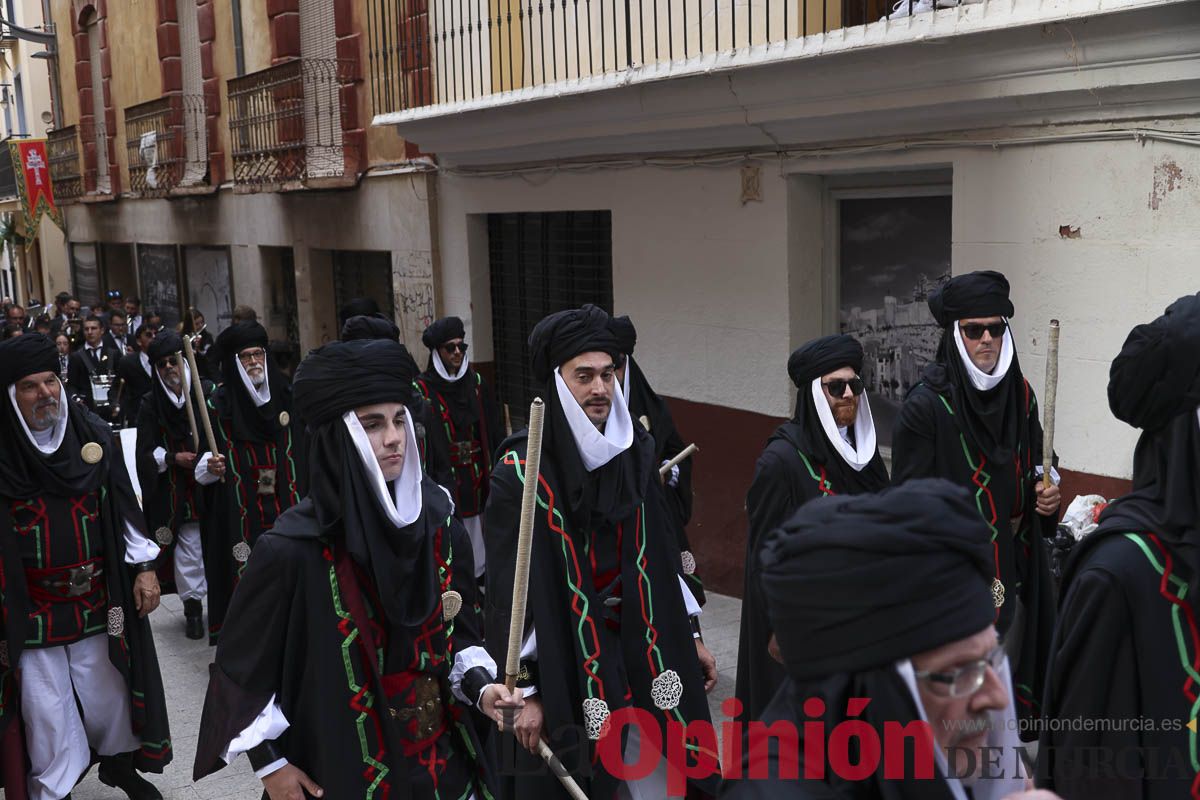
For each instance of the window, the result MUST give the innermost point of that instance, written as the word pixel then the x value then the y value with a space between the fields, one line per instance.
pixel 19 91
pixel 541 263
pixel 893 251
pixel 195 134
pixel 360 273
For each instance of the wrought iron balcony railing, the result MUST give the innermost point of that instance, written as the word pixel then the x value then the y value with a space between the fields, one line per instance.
pixel 428 52
pixel 167 143
pixel 95 139
pixel 8 175
pixel 285 123
pixel 66 173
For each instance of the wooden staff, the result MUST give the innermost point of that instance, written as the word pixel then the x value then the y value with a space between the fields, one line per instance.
pixel 200 403
pixel 683 454
pixel 1048 403
pixel 507 422
pixel 191 415
pixel 516 625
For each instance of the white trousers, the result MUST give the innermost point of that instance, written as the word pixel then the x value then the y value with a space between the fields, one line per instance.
pixel 474 526
pixel 189 563
pixel 651 787
pixel 55 734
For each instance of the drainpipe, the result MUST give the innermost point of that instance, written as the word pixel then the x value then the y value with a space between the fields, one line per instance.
pixel 239 54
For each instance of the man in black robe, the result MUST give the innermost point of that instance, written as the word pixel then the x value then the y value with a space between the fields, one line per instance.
pixel 651 411
pixel 1126 643
pixel 92 370
pixel 351 658
pixel 973 419
pixel 258 458
pixel 465 420
pixel 608 611
pixel 78 670
pixel 166 463
pixel 827 448
pixel 135 377
pixel 883 612
pixel 434 450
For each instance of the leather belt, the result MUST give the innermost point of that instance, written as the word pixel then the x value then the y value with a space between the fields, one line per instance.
pixel 426 709
pixel 463 454
pixel 67 582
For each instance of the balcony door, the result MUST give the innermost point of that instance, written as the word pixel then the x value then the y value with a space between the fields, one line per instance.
pixel 192 107
pixel 322 109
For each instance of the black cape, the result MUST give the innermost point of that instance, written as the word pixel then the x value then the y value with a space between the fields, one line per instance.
pixel 462 410
pixel 935 436
pixel 1128 634
pixel 644 402
pixel 580 516
pixel 798 465
pixel 253 440
pixel 25 473
pixel 289 633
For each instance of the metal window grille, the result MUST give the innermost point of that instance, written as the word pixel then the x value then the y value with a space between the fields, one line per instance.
pixel 361 273
pixel 541 263
pixel 194 116
pixel 66 175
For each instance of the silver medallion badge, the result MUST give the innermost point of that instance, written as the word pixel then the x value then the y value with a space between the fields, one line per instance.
pixel 116 621
pixel 595 717
pixel 689 562
pixel 164 536
pixel 997 592
pixel 92 453
pixel 241 552
pixel 666 690
pixel 451 604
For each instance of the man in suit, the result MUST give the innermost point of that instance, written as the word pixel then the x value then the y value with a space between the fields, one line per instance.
pixel 134 377
pixel 89 364
pixel 118 336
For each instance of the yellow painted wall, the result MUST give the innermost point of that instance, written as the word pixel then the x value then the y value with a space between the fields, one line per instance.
pixel 61 12
pixel 384 145
pixel 132 27
pixel 225 65
pixel 256 35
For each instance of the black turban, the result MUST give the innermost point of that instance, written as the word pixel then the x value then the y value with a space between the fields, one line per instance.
pixel 565 334
pixel 976 294
pixel 1156 376
pixel 26 355
pixel 373 326
pixel 856 582
pixel 357 306
pixel 166 343
pixel 341 376
pixel 822 356
pixel 622 328
pixel 442 331
pixel 239 336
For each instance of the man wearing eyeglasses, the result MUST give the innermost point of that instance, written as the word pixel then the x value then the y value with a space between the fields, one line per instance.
pixel 884 612
pixel 467 421
pixel 973 419
pixel 258 455
pixel 166 462
pixel 827 448
pixel 134 376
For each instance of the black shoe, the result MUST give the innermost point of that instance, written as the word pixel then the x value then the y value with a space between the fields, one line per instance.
pixel 193 615
pixel 118 772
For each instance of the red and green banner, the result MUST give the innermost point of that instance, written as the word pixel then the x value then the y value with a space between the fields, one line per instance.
pixel 31 167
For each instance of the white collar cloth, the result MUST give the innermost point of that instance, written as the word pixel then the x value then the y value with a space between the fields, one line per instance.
pixel 403 504
pixel 440 366
pixel 145 359
pixel 1002 735
pixel 859 454
pixel 261 395
pixel 177 400
pixel 596 448
pixel 49 440
pixel 981 380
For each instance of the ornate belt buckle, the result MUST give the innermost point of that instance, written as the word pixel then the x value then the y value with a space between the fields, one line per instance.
pixel 266 480
pixel 79 580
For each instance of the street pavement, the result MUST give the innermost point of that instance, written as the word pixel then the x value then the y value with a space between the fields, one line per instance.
pixel 184 665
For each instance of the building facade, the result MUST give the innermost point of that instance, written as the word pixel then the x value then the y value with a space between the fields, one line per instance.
pixel 742 177
pixel 218 153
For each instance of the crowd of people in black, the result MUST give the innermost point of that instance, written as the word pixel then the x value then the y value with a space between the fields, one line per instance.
pixel 352 531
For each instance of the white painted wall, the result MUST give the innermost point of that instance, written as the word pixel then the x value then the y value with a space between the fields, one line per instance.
pixel 706 279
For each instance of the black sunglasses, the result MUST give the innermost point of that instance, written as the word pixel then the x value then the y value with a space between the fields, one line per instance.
pixel 164 362
pixel 837 386
pixel 460 347
pixel 974 330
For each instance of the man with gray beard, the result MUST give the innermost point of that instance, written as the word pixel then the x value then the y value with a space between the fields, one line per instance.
pixel 166 460
pixel 78 673
pixel 257 454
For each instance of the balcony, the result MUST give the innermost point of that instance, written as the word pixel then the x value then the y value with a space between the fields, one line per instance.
pixel 167 144
pixel 508 82
pixel 66 175
pixel 8 175
pixel 285 125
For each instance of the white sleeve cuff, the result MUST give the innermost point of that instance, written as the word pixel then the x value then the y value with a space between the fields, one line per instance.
pixel 138 548
pixel 274 766
pixel 269 724
pixel 689 599
pixel 468 659
pixel 160 458
pixel 203 476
